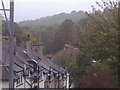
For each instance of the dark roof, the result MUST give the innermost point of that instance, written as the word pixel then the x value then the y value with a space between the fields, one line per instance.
pixel 5 55
pixel 5 72
pixel 5 62
pixel 42 61
pixel 21 58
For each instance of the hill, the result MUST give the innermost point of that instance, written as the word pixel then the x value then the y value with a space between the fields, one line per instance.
pixel 55 19
pixel 46 28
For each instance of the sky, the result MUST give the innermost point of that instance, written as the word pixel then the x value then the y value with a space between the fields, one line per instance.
pixel 35 9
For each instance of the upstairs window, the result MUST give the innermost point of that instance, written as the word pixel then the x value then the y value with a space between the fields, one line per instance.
pixel 19 80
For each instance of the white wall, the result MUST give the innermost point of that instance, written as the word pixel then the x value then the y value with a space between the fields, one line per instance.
pixel 41 84
pixel 4 84
pixel 26 85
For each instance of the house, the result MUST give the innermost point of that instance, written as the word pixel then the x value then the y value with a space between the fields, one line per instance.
pixel 31 68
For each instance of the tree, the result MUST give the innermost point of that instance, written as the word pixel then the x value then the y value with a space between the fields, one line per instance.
pixel 17 30
pixel 67 58
pixel 100 39
pixel 67 34
pixel 97 77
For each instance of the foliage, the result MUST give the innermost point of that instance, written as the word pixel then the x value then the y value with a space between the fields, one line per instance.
pixel 100 39
pixel 18 31
pixel 46 27
pixel 67 58
pixel 5 31
pixel 67 33
pixel 83 22
pixel 46 37
pixel 97 77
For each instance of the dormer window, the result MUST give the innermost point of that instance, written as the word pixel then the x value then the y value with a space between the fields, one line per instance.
pixel 34 60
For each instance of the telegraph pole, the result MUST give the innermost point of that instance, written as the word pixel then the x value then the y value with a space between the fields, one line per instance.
pixel 11 40
pixel 11 49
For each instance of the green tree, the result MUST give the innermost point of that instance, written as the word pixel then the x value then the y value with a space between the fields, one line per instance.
pixel 67 33
pixel 100 38
pixel 96 77
pixel 67 58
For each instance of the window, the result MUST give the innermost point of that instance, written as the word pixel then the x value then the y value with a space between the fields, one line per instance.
pixel 20 78
pixel 41 75
pixel 31 71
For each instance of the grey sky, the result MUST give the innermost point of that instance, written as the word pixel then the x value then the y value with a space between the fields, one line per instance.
pixel 35 9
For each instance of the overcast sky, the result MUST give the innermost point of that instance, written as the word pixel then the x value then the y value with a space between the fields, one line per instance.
pixel 35 9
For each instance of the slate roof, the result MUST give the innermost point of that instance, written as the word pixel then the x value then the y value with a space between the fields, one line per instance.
pixel 5 72
pixel 20 58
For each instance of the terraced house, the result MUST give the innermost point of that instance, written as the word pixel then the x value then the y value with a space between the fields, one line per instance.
pixel 31 68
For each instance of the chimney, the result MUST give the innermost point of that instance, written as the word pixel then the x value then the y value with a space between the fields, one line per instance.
pixel 36 46
pixel 28 46
pixel 40 52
